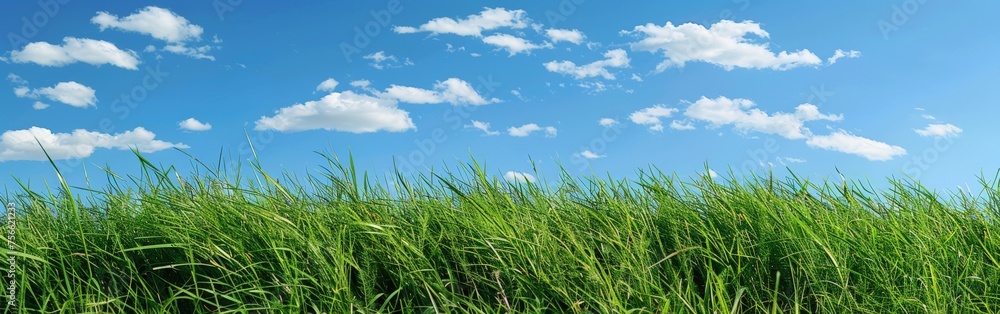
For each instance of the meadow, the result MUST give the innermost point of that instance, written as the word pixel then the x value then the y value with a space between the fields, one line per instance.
pixel 235 239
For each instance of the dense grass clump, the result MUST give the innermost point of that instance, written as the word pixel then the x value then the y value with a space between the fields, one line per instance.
pixel 463 241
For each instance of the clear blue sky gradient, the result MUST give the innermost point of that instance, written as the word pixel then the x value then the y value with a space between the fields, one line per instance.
pixel 935 55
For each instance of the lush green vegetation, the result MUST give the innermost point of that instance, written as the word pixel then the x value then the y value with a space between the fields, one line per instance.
pixel 463 241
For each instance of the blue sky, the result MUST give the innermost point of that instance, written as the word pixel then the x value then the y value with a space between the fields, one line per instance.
pixel 874 88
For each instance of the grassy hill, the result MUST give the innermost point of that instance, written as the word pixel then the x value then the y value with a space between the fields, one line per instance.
pixel 465 241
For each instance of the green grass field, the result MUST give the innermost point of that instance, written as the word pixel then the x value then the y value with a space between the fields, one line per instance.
pixel 464 241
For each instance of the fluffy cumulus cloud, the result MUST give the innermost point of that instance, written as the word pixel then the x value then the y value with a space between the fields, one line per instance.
pixel 587 154
pixel 454 91
pixel 527 129
pixel 567 35
pixel 651 117
pixel 490 19
pixel 837 55
pixel 161 24
pixel 724 44
pixel 473 25
pixel 192 124
pixel 939 130
pixel 607 122
pixel 361 83
pixel 153 21
pixel 70 93
pixel 345 112
pixel 741 114
pixel 521 177
pixel 844 142
pixel 617 58
pixel 513 44
pixel 327 85
pixel 24 144
pixel 483 126
pixel 73 50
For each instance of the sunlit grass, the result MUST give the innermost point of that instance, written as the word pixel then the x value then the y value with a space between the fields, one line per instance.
pixel 464 241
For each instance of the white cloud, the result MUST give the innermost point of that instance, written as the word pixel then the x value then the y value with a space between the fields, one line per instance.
pixel 16 80
pixel 160 23
pixel 791 160
pixel 593 87
pixel 939 130
pixel 70 93
pixel 651 116
pixel 550 131
pixel 489 19
pixel 452 90
pixel 636 78
pixel 741 114
pixel 843 54
pixel 712 173
pixel 191 124
pixel 518 94
pixel 844 142
pixel 928 117
pixel 617 58
pixel 723 44
pixel 514 45
pixel 473 25
pixel 95 52
pixel 567 35
pixel 328 85
pixel 474 55
pixel 590 155
pixel 22 145
pixel 380 60
pixel 200 52
pixel 453 49
pixel 809 112
pixel 347 112
pixel 22 91
pixel 607 122
pixel 527 129
pixel 483 126
pixel 681 125
pixel 39 105
pixel 518 177
pixel 361 83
